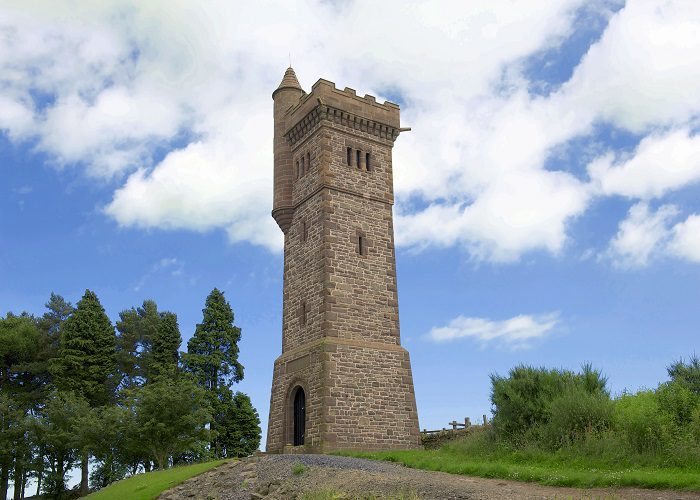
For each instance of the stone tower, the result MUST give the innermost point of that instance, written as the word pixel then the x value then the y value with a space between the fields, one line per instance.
pixel 343 380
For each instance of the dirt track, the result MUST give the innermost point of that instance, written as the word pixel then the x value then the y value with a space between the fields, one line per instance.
pixel 271 477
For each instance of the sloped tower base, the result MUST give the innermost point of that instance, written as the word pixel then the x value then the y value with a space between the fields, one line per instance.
pixel 359 395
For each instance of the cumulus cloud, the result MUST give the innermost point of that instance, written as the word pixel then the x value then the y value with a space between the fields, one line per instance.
pixel 643 71
pixel 514 332
pixel 661 163
pixel 641 236
pixel 685 239
pixel 171 103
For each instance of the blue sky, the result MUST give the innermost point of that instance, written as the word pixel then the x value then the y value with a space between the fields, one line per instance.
pixel 547 196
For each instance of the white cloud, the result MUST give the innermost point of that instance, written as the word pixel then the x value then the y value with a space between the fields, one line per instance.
pixel 524 211
pixel 641 236
pixel 172 101
pixel 514 332
pixel 644 70
pixel 685 242
pixel 661 163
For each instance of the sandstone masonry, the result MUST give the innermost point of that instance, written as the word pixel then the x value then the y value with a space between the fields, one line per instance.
pixel 343 380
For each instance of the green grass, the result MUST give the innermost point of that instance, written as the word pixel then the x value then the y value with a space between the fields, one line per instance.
pixel 151 484
pixel 298 468
pixel 475 456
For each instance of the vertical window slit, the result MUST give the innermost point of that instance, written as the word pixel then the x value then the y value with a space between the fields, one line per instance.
pixel 308 161
pixel 304 232
pixel 358 156
pixel 302 165
pixel 367 164
pixel 303 313
pixel 349 156
pixel 297 174
pixel 361 245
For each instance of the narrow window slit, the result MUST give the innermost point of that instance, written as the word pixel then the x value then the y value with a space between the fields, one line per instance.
pixel 308 161
pixel 349 156
pixel 303 313
pixel 358 157
pixel 367 164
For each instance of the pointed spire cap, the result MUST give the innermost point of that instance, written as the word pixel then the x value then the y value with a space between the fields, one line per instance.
pixel 289 81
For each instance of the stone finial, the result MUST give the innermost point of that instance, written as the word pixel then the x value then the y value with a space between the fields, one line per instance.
pixel 289 81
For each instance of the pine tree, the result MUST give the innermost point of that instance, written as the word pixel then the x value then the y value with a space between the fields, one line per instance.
pixel 86 355
pixel 212 353
pixel 59 310
pixel 136 327
pixel 164 347
pixel 86 362
pixel 212 357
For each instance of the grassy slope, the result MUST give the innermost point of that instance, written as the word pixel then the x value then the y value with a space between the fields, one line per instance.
pixel 544 469
pixel 149 485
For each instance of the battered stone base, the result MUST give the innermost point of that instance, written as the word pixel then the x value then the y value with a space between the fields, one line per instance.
pixel 359 395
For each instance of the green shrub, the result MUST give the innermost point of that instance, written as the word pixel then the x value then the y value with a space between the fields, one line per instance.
pixel 678 402
pixel 642 422
pixel 577 414
pixel 522 400
pixel 695 424
pixel 298 468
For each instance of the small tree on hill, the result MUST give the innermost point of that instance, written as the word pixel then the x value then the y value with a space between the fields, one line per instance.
pixel 171 417
pixel 239 426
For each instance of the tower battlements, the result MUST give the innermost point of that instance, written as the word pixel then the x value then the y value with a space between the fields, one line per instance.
pixel 324 94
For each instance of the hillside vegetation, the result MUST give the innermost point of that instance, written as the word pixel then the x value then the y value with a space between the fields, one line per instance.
pixel 563 428
pixel 151 484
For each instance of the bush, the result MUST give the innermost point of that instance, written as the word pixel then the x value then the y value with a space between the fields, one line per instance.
pixel 522 400
pixel 640 419
pixel 577 414
pixel 678 402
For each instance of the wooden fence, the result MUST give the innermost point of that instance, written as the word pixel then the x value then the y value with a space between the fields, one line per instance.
pixel 457 426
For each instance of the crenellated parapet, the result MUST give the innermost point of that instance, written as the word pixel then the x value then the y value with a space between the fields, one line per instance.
pixel 342 107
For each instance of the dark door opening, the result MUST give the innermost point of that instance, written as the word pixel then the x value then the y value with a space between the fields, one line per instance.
pixel 299 416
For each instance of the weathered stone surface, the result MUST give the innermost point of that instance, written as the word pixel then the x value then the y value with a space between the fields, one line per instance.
pixel 340 331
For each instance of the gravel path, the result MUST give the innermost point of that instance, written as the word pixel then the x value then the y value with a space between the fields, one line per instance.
pixel 272 477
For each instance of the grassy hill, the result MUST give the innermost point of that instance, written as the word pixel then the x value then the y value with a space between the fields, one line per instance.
pixel 150 484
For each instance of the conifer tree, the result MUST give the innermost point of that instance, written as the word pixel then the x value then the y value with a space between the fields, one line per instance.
pixel 239 426
pixel 212 357
pixel 212 353
pixel 164 346
pixel 58 311
pixel 86 362
pixel 136 327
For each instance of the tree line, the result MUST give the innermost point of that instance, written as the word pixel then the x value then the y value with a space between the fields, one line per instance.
pixel 77 390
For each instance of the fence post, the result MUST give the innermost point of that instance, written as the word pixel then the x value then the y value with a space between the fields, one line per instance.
pixel 485 421
pixel 467 423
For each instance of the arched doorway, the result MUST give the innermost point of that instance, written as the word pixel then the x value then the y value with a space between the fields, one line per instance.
pixel 299 416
